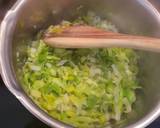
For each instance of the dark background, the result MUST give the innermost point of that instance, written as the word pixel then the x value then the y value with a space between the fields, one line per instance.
pixel 12 113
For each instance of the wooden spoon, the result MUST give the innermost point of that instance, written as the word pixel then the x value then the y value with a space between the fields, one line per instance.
pixel 90 37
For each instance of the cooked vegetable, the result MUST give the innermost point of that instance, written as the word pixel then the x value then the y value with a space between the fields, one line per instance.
pixel 87 88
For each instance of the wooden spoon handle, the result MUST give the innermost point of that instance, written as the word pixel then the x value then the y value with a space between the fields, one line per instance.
pixel 75 42
pixel 90 37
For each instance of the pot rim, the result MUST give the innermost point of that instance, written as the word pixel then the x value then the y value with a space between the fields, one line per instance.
pixel 11 84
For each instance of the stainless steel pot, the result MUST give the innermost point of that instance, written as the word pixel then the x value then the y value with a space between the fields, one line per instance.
pixel 27 17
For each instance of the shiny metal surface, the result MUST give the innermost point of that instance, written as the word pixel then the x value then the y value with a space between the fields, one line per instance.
pixel 27 17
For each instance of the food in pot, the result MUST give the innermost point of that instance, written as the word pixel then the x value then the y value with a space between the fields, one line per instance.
pixel 86 88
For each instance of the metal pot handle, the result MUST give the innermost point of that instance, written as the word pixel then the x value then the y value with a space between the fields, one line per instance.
pixel 4 7
pixel 5 24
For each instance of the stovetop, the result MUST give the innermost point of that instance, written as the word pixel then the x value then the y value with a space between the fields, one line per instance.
pixel 12 113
